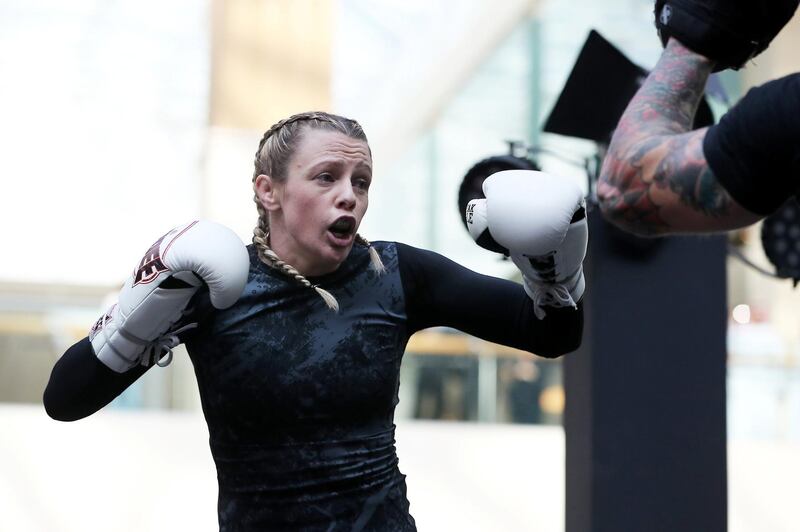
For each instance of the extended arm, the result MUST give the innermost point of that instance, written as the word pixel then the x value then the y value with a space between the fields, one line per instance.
pixel 655 178
pixel 440 292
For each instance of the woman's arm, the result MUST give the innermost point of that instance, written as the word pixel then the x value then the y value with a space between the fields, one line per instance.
pixel 440 292
pixel 655 178
pixel 80 384
pixel 147 316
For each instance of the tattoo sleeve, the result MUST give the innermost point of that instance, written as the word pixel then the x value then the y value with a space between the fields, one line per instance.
pixel 655 178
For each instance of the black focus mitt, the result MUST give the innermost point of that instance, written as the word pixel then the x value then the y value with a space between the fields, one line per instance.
pixel 729 32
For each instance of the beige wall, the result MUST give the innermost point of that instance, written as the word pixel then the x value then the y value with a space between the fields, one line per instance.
pixel 270 59
pixel 781 58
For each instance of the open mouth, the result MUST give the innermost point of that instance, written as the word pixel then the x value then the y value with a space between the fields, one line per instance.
pixel 343 227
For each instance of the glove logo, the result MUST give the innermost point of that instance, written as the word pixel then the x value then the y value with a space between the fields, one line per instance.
pixel 665 15
pixel 100 323
pixel 151 265
pixel 470 211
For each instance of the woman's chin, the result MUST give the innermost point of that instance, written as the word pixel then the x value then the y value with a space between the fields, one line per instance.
pixel 332 257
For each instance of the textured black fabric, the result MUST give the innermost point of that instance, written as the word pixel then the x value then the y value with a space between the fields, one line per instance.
pixel 754 151
pixel 300 400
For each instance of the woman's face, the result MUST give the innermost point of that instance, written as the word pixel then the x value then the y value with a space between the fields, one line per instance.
pixel 316 211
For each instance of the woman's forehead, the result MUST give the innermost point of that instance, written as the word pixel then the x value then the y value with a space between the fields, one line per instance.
pixel 321 144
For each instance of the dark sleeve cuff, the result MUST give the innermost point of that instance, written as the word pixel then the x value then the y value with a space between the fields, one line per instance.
pixel 80 384
pixel 754 151
pixel 744 189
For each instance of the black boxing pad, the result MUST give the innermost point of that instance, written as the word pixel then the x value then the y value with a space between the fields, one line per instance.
pixel 729 32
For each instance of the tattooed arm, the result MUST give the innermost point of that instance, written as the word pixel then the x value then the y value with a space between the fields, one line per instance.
pixel 655 178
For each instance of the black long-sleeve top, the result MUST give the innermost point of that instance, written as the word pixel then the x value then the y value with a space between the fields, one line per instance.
pixel 300 400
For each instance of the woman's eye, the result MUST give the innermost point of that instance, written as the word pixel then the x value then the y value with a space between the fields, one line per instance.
pixel 361 183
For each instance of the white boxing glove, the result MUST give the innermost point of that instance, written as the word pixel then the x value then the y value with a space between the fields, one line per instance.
pixel 140 326
pixel 539 220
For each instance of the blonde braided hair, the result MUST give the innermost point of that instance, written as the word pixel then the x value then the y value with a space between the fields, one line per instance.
pixel 272 157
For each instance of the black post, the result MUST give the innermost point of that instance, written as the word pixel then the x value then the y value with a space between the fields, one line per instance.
pixel 645 395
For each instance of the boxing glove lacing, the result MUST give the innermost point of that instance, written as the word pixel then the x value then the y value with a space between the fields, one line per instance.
pixel 162 346
pixel 555 295
pixel 154 350
pixel 543 289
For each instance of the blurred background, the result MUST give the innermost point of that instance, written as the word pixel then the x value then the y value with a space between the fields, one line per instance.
pixel 119 120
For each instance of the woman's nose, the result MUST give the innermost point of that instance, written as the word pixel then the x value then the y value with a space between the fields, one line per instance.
pixel 345 198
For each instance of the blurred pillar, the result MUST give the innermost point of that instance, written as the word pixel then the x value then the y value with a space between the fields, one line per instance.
pixel 270 59
pixel 645 396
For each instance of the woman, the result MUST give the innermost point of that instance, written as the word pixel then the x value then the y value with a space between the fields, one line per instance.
pixel 299 377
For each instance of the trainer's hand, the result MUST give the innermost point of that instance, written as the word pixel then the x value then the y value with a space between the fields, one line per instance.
pixel 140 326
pixel 728 32
pixel 540 221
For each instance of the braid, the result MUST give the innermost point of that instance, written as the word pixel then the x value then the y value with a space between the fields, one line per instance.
pixel 275 127
pixel 268 257
pixel 374 257
pixel 261 235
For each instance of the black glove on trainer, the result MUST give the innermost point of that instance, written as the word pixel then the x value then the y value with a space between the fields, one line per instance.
pixel 729 32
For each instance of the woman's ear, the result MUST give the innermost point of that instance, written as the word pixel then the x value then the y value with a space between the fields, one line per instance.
pixel 267 192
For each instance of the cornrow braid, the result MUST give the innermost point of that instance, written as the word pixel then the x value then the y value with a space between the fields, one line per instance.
pixel 272 157
pixel 281 139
